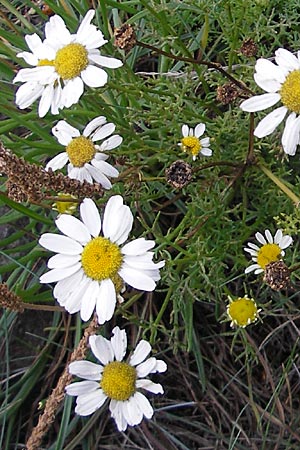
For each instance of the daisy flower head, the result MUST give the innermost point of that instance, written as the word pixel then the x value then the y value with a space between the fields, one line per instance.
pixel 242 311
pixel 116 380
pixel 271 250
pixel 190 143
pixel 84 157
pixel 92 264
pixel 62 64
pixel 281 81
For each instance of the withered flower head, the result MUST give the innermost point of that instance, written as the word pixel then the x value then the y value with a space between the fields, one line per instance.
pixel 179 174
pixel 9 299
pixel 277 275
pixel 125 37
pixel 248 48
pixel 227 93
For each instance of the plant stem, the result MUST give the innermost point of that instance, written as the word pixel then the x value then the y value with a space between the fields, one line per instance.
pixel 280 184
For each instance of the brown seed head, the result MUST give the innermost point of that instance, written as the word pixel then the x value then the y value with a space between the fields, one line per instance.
pixel 248 48
pixel 227 93
pixel 179 174
pixel 277 275
pixel 125 37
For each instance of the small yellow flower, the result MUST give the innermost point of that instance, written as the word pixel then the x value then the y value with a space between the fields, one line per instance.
pixel 242 311
pixel 191 142
pixel 66 205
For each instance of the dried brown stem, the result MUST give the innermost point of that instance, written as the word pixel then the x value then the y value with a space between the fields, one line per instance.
pixel 58 393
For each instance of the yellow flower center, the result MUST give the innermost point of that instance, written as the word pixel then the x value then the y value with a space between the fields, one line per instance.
pixel 66 205
pixel 191 145
pixel 118 380
pixel 290 91
pixel 268 253
pixel 70 61
pixel 46 62
pixel 80 151
pixel 242 311
pixel 101 259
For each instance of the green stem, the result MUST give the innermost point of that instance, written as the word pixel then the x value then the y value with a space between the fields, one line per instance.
pixel 159 316
pixel 280 184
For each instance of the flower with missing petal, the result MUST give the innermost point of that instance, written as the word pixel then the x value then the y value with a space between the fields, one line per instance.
pixel 242 311
pixel 281 81
pixel 117 380
pixel 272 249
pixel 190 143
pixel 85 158
pixel 90 269
pixel 62 64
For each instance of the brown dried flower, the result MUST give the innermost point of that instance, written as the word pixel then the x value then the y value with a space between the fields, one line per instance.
pixel 9 299
pixel 31 182
pixel 277 275
pixel 227 93
pixel 179 174
pixel 125 37
pixel 248 48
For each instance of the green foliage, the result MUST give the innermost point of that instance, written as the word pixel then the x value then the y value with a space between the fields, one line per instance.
pixel 236 386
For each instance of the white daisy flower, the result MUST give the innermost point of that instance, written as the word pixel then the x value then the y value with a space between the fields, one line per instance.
pixel 86 162
pixel 89 269
pixel 116 380
pixel 191 143
pixel 272 249
pixel 281 81
pixel 63 63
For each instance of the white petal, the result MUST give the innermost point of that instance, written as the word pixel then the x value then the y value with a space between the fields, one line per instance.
pixel 102 349
pixel 206 151
pixel 116 411
pixel 106 61
pixel 60 244
pixel 111 143
pixel 185 130
pixel 85 23
pixel 155 388
pixel 106 301
pixel 90 216
pixel 146 367
pixel 137 279
pixel 46 100
pixel 106 168
pixel 278 236
pixel 117 220
pixel 73 228
pixel 119 343
pixel 267 125
pixel 199 130
pixel 269 71
pixel 60 261
pixel 137 247
pixel 94 76
pixel 57 32
pixel 33 41
pixel 82 387
pixel 291 134
pixel 286 241
pixel 286 59
pixel 251 268
pixel 59 274
pixel 132 411
pixel 260 238
pixel 140 353
pixel 104 131
pixel 89 298
pixel 88 403
pixel 144 405
pixel 267 85
pixel 86 369
pixel 28 93
pixel 269 236
pixel 93 125
pixel 98 176
pixel 72 92
pixel 260 102
pixel 64 132
pixel 58 162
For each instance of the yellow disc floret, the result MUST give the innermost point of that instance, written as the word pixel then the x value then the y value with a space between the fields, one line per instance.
pixel 80 150
pixel 71 60
pixel 191 145
pixel 290 91
pixel 242 311
pixel 101 259
pixel 268 253
pixel 118 380
pixel 45 62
